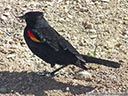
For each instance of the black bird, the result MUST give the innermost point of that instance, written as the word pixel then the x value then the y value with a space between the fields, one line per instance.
pixel 46 43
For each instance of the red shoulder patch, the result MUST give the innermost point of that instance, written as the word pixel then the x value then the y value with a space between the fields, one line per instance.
pixel 32 37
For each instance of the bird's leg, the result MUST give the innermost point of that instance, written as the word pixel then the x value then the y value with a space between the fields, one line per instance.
pixel 53 73
pixel 81 64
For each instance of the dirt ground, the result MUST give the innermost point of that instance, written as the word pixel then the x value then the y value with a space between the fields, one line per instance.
pixel 95 27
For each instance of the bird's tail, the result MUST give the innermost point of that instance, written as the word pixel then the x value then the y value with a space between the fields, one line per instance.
pixel 99 61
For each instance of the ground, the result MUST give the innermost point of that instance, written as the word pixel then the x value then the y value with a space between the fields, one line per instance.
pixel 95 27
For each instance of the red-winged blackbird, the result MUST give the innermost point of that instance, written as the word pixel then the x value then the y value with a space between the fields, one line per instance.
pixel 46 43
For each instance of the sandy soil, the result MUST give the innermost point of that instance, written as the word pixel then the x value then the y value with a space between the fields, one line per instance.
pixel 95 27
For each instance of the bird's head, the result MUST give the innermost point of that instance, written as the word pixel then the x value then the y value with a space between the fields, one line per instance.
pixel 32 17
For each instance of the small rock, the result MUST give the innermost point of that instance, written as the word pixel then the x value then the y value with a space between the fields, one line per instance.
pixel 112 76
pixel 84 75
pixel 87 25
pixel 6 14
pixel 70 16
pixel 93 36
pixel 89 2
pixel 11 55
pixel 92 31
pixel 56 66
pixel 105 0
pixel 125 18
pixel 67 88
pixel 58 1
pixel 3 17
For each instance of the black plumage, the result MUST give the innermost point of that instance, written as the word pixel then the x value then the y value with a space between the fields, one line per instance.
pixel 46 43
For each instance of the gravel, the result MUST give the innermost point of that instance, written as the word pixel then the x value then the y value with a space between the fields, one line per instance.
pixel 95 27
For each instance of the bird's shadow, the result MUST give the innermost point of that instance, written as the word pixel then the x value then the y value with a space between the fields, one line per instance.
pixel 32 83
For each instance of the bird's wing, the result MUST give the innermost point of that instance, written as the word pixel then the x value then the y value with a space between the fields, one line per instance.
pixel 56 41
pixel 45 35
pixel 67 46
